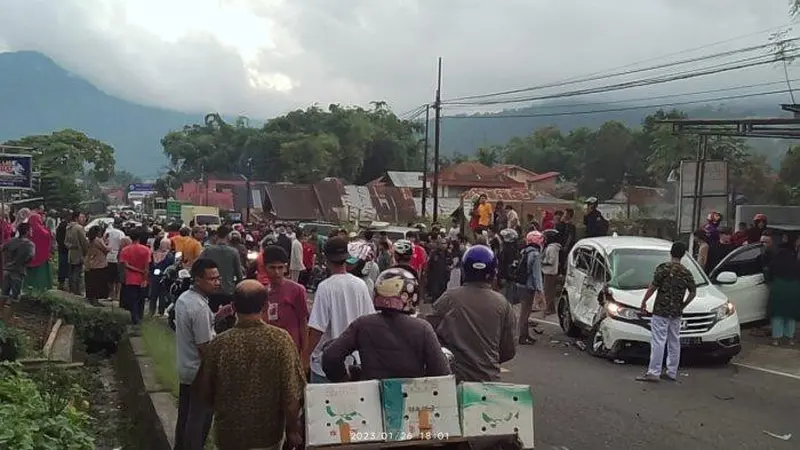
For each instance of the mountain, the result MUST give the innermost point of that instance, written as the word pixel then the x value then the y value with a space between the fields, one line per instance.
pixel 465 135
pixel 37 96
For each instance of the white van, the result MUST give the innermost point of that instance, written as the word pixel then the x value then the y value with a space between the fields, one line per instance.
pixel 606 280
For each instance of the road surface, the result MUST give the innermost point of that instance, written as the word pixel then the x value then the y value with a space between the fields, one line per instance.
pixel 584 403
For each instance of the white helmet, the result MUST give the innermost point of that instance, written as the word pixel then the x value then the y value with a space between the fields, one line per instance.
pixel 403 247
pixel 509 235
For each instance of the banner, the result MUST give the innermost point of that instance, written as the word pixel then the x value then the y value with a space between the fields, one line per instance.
pixel 15 171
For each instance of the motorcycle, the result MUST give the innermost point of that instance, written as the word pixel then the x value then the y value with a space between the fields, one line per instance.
pixel 175 280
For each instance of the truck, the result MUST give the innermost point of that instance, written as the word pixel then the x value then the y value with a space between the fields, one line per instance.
pixel 207 216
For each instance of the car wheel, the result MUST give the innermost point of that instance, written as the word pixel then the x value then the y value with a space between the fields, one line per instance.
pixel 565 318
pixel 596 346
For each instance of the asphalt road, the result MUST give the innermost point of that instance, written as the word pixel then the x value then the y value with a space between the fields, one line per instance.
pixel 584 403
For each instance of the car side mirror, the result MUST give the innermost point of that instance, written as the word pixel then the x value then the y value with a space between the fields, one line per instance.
pixel 726 278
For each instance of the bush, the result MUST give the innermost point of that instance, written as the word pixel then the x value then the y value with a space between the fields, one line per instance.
pixel 41 415
pixel 100 329
pixel 12 342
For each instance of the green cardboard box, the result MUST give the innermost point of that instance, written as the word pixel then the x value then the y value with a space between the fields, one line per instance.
pixel 420 408
pixel 490 409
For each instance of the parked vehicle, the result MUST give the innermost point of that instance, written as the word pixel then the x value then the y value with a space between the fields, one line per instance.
pixel 605 282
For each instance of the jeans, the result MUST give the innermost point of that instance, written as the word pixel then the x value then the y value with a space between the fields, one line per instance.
pixel 318 379
pixel 783 327
pixel 194 420
pixel 12 285
pixel 666 336
pixel 76 283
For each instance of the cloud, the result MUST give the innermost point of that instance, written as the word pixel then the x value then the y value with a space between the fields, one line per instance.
pixel 264 57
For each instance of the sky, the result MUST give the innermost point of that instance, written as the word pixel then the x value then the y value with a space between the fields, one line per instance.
pixel 262 58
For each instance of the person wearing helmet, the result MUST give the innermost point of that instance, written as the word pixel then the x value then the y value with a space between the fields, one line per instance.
pixel 403 253
pixel 759 226
pixel 392 343
pixel 475 322
pixel 596 225
pixel 530 283
pixel 361 262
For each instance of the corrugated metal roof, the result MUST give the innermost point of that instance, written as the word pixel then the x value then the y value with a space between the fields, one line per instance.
pixel 411 180
pixel 357 204
pixel 447 206
pixel 293 201
pixel 473 173
pixel 393 204
pixel 330 193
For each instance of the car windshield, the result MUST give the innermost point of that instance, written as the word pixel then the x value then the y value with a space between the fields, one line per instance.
pixel 206 220
pixel 633 268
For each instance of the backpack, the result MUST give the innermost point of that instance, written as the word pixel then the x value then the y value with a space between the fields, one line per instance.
pixel 519 269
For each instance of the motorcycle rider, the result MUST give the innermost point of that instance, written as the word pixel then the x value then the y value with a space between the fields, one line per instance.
pixel 230 267
pixel 403 252
pixel 392 343
pixel 475 322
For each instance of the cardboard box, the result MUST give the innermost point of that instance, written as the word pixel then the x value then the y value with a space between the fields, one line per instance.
pixel 343 412
pixel 420 408
pixel 489 409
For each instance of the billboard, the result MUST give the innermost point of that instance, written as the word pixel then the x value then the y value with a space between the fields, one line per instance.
pixel 15 171
pixel 711 196
pixel 139 191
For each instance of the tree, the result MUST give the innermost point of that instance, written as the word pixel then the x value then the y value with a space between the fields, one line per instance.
pixel 361 144
pixel 61 157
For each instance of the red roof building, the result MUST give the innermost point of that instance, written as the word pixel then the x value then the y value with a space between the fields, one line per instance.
pixel 541 182
pixel 456 179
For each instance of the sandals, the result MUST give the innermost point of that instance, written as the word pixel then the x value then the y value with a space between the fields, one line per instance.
pixel 526 340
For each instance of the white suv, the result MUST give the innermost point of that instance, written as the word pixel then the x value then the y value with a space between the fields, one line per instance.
pixel 606 280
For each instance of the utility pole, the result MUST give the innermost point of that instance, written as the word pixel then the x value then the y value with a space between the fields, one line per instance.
pixel 437 134
pixel 425 162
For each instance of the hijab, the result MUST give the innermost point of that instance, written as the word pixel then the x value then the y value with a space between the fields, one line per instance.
pixel 163 250
pixel 23 215
pixel 42 240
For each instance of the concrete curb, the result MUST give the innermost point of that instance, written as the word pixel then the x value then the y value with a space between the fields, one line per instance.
pixel 151 407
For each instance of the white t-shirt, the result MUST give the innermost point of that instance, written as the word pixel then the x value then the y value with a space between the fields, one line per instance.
pixel 296 258
pixel 339 300
pixel 114 237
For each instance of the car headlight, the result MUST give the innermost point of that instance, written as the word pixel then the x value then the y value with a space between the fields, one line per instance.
pixel 725 310
pixel 617 310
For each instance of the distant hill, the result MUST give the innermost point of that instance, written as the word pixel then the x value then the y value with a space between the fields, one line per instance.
pixel 466 135
pixel 38 96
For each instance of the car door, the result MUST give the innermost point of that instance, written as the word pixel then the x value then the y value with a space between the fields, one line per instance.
pixel 577 272
pixel 750 292
pixel 598 277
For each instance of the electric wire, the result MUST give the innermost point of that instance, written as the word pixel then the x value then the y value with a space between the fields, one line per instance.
pixel 613 110
pixel 627 72
pixel 659 97
pixel 710 70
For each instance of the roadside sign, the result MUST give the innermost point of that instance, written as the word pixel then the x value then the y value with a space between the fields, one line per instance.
pixel 15 171
pixel 174 208
pixel 711 196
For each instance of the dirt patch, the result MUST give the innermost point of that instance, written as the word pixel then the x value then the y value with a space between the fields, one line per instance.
pixel 34 324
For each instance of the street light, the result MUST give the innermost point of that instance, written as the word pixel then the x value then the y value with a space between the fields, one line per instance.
pixel 247 186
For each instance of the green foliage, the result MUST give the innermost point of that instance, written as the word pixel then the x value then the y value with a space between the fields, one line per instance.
pixel 100 329
pixel 39 413
pixel 601 161
pixel 355 144
pixel 61 157
pixel 160 344
pixel 13 342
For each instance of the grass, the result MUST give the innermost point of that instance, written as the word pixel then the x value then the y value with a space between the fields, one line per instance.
pixel 160 343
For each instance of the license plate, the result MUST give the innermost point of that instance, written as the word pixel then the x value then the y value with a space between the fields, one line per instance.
pixel 689 341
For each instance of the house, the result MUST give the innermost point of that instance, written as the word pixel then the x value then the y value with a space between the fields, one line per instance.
pixel 456 179
pixel 398 179
pixel 640 201
pixel 538 182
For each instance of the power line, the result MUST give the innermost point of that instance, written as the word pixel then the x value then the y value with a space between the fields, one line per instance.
pixel 666 96
pixel 611 110
pixel 627 72
pixel 711 70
